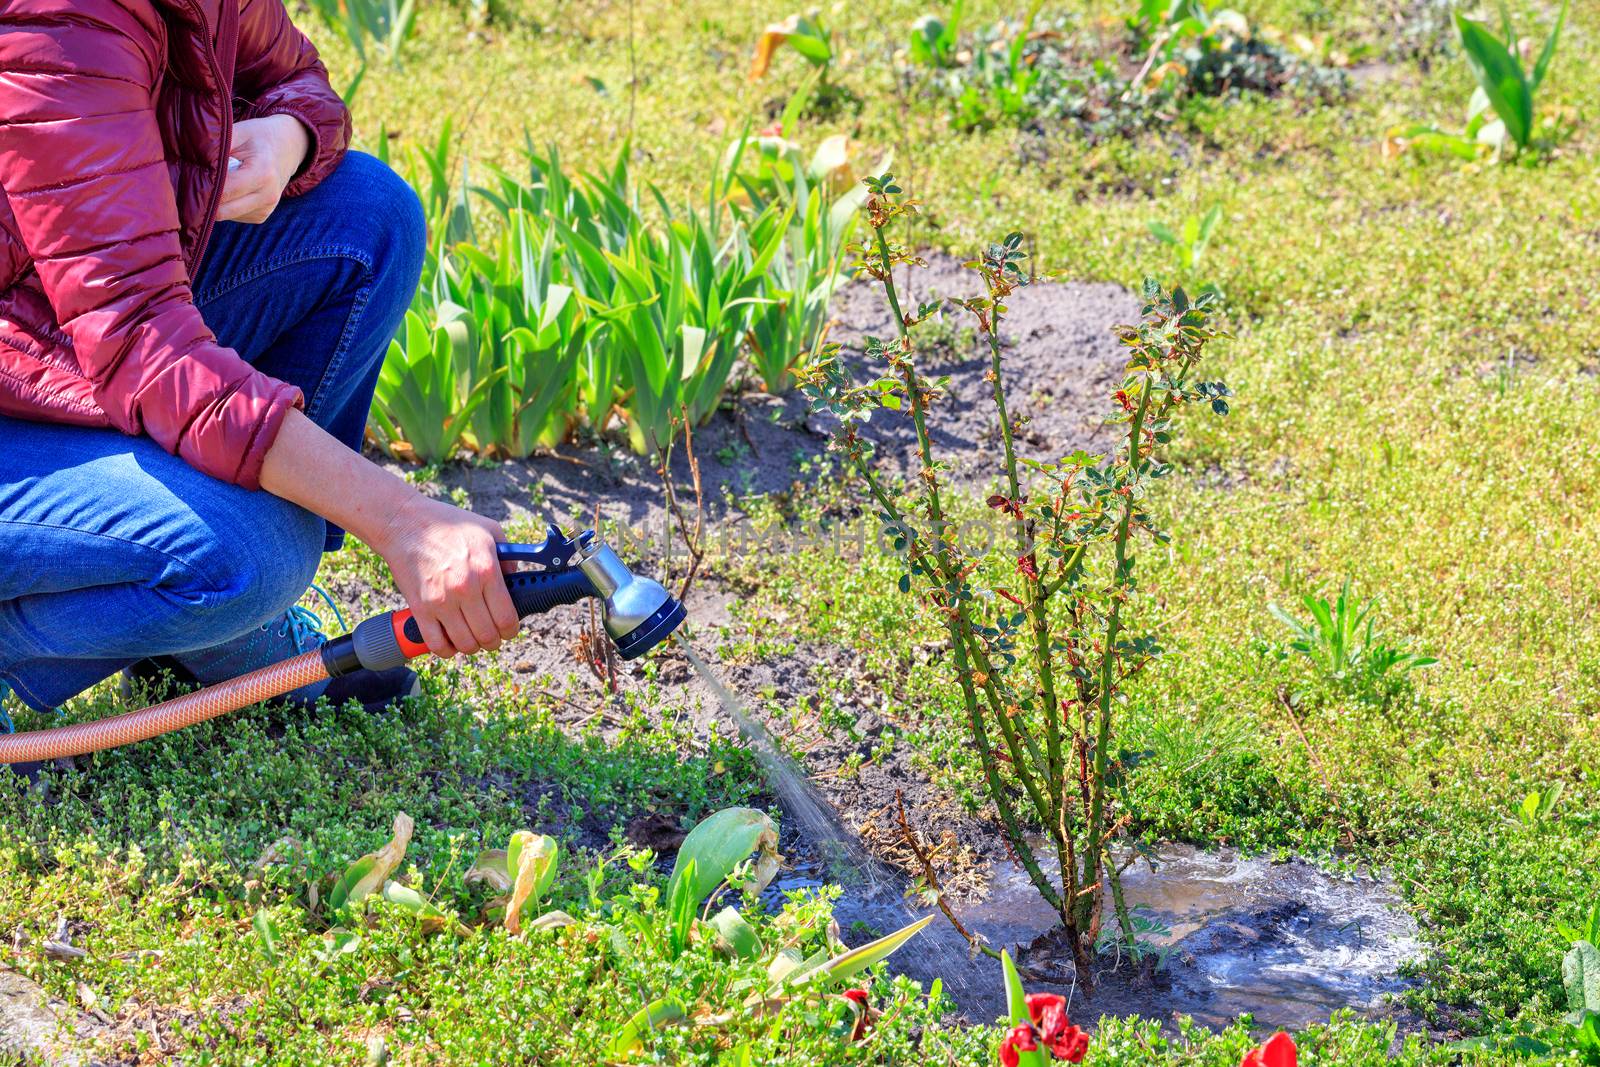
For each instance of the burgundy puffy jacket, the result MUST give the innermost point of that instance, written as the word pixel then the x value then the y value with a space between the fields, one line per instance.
pixel 115 120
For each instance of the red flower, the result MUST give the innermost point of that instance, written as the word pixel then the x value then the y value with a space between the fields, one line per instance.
pixel 1025 565
pixel 1049 1013
pixel 1072 1045
pixel 1041 1004
pixel 1019 1040
pixel 1279 1051
pixel 858 997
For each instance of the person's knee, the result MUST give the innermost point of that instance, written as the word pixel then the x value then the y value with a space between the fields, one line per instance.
pixel 396 235
pixel 256 569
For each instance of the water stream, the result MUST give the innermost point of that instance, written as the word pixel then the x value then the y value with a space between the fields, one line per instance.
pixel 846 859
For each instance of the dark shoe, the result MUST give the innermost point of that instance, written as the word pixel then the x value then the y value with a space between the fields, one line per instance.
pixel 373 690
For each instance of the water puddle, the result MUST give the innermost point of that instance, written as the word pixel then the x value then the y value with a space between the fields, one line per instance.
pixel 1286 942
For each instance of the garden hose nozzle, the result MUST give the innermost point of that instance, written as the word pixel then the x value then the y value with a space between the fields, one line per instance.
pixel 639 614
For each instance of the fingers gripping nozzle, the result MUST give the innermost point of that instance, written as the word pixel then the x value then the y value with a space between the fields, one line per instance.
pixel 638 613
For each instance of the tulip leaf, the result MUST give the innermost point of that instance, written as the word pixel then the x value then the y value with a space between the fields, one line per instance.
pixel 533 857
pixel 734 936
pixel 1546 54
pixel 1580 975
pixel 1017 1007
pixel 1500 77
pixel 267 936
pixel 335 943
pixel 718 844
pixel 366 875
pixel 680 910
pixel 857 960
pixel 551 920
pixel 413 903
pixel 656 1014
pixel 491 870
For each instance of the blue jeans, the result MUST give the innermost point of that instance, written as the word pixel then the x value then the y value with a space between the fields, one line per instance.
pixel 114 550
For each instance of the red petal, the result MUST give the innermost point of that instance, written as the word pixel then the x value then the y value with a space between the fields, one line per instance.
pixel 1279 1051
pixel 1072 1045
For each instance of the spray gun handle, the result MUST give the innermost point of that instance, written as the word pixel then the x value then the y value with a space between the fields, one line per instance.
pixel 388 640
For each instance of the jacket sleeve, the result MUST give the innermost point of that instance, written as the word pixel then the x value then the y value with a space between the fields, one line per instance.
pixel 83 168
pixel 279 73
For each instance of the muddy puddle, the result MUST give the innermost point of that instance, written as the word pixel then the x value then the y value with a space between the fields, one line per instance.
pixel 1287 942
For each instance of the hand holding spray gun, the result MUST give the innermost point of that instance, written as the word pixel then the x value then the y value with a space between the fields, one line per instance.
pixel 638 613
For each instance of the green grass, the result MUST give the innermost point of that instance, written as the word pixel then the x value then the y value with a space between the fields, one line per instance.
pixel 1373 436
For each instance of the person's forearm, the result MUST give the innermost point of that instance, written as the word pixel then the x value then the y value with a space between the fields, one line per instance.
pixel 308 466
pixel 442 558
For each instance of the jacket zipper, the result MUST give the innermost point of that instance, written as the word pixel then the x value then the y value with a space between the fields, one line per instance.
pixel 226 41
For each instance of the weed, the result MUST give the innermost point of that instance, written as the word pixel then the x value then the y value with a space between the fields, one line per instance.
pixel 1340 644
pixel 1502 109
pixel 1189 240
pixel 933 39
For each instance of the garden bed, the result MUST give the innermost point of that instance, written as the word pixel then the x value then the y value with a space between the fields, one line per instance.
pixel 1228 916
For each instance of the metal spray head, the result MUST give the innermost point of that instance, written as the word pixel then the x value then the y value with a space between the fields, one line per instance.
pixel 639 614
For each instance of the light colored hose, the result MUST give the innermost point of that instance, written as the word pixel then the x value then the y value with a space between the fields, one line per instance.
pixel 175 714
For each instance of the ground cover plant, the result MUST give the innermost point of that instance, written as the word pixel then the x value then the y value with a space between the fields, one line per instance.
pixel 1413 367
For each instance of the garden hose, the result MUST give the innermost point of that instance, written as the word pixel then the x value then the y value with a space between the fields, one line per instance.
pixel 638 615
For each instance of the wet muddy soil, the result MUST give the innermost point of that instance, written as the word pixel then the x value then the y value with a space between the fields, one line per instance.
pixel 1286 942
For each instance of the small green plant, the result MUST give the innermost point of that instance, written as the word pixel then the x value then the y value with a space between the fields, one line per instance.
pixel 1537 805
pixel 933 39
pixel 806 34
pixel 1042 631
pixel 1502 110
pixel 1344 650
pixel 1189 241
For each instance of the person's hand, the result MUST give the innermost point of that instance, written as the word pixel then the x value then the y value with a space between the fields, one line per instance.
pixel 270 151
pixel 444 563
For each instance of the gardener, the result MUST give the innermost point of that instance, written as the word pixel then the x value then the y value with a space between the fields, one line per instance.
pixel 188 347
